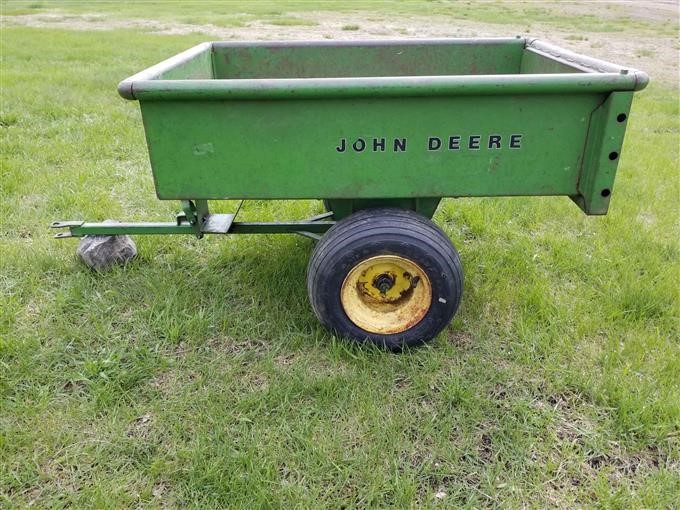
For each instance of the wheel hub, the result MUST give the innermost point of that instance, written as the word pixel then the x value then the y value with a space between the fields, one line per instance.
pixel 386 294
pixel 383 282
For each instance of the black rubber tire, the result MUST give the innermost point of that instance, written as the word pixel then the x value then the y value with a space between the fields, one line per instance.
pixel 371 232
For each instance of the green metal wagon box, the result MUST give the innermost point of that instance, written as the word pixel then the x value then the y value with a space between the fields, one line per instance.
pixel 380 131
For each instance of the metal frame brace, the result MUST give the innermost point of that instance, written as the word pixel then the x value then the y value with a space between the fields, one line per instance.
pixel 195 218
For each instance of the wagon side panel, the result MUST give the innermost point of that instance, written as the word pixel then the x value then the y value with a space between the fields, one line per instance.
pixel 369 147
pixel 234 61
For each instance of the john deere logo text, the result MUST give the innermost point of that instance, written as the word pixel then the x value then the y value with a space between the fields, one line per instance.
pixel 432 143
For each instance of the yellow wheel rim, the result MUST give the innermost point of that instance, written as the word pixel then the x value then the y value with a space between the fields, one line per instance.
pixel 386 294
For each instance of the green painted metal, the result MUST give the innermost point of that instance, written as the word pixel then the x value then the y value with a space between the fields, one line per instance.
pixel 314 227
pixel 344 207
pixel 364 124
pixel 603 149
pixel 288 149
pixel 148 228
pixel 296 120
pixel 365 59
pixel 408 86
pixel 80 228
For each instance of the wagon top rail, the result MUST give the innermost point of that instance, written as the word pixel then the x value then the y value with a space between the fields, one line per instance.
pixel 203 72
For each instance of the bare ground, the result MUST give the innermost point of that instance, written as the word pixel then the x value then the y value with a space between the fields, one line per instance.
pixel 645 10
pixel 653 53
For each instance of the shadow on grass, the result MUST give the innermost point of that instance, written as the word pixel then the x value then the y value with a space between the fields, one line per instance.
pixel 232 294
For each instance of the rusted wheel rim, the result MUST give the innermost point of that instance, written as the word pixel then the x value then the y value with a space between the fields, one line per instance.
pixel 386 294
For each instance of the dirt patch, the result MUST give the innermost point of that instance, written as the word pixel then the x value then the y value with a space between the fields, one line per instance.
pixel 648 10
pixel 165 382
pixel 653 53
pixel 485 450
pixel 101 22
pixel 140 427
pixel 232 347
pixel 461 339
pixel 575 431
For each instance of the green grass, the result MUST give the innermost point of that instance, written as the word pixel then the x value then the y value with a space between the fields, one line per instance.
pixel 197 376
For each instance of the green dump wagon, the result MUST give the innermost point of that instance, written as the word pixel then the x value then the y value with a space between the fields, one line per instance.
pixel 380 131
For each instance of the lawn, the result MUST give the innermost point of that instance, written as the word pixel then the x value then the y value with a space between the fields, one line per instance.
pixel 197 376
